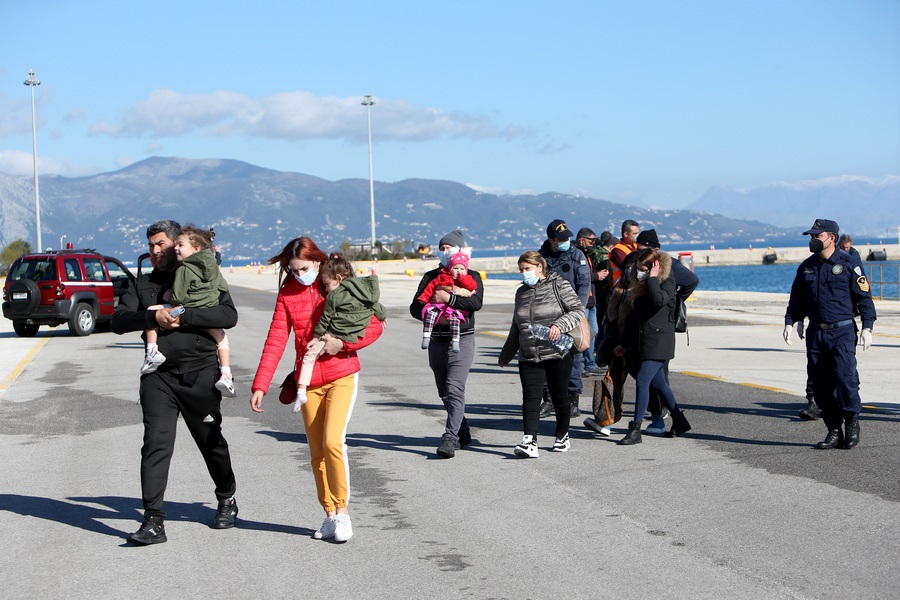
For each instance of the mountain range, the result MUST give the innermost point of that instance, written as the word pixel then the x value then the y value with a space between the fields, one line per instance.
pixel 255 211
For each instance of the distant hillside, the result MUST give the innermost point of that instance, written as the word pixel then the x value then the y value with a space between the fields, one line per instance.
pixel 860 205
pixel 256 211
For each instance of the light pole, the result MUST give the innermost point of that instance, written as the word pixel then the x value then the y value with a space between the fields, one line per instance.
pixel 368 102
pixel 31 82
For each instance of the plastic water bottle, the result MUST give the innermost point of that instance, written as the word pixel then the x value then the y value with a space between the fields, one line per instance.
pixel 563 343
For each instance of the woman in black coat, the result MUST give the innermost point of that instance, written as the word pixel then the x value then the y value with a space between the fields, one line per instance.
pixel 646 318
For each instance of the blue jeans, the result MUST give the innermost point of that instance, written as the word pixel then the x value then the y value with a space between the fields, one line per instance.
pixel 591 314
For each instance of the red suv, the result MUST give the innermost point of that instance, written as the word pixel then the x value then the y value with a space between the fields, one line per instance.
pixel 78 287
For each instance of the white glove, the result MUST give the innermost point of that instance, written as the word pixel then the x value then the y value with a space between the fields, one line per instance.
pixel 865 339
pixel 787 334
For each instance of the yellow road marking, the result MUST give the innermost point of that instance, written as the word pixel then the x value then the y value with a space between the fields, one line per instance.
pixel 17 370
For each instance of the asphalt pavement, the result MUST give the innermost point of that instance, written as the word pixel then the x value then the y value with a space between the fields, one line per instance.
pixel 742 507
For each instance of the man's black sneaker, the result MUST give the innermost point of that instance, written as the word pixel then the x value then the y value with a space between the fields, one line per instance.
pixel 152 531
pixel 226 514
pixel 448 447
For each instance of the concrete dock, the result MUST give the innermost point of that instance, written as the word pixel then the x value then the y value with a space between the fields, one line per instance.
pixel 741 507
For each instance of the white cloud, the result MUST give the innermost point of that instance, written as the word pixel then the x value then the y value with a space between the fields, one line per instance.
pixel 17 162
pixel 294 115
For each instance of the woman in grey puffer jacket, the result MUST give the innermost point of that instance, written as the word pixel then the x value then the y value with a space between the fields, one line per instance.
pixel 545 299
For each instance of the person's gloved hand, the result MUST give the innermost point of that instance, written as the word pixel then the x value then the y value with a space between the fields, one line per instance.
pixel 787 334
pixel 865 339
pixel 800 329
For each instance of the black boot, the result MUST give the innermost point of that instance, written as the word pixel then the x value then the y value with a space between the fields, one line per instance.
pixel 680 425
pixel 834 439
pixel 851 433
pixel 546 405
pixel 633 436
pixel 811 412
pixel 152 531
pixel 574 411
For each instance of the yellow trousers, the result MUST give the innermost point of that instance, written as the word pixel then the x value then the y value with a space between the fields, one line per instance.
pixel 326 415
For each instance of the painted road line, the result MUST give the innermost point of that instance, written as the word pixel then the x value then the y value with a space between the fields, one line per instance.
pixel 17 370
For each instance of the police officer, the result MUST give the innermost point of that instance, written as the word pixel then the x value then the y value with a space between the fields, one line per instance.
pixel 184 384
pixel 829 288
pixel 571 264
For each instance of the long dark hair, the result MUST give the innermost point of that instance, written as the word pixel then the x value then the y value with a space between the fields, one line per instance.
pixel 303 248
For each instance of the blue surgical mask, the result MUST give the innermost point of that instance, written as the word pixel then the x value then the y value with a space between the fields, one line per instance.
pixel 563 246
pixel 307 278
pixel 529 277
pixel 446 254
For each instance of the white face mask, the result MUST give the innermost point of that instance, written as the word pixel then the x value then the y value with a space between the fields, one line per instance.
pixel 446 254
pixel 564 246
pixel 642 275
pixel 529 277
pixel 307 278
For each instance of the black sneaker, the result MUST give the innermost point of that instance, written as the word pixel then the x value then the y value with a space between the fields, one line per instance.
pixel 226 514
pixel 448 447
pixel 152 531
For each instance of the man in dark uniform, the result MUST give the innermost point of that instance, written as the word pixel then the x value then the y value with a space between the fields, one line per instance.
pixel 571 264
pixel 830 288
pixel 184 384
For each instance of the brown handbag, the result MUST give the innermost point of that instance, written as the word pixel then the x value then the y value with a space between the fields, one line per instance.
pixel 606 410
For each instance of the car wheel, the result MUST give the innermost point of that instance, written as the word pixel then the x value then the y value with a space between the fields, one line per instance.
pixel 24 329
pixel 24 296
pixel 83 320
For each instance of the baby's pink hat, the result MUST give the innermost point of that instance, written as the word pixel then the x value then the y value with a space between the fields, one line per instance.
pixel 460 258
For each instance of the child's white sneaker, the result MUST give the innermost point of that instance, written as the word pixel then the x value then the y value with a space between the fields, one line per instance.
pixel 425 341
pixel 225 385
pixel 152 360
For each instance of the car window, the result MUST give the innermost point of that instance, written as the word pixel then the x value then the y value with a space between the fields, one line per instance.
pixel 94 269
pixel 73 271
pixel 38 269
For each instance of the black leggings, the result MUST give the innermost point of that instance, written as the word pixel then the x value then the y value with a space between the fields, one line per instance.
pixel 532 375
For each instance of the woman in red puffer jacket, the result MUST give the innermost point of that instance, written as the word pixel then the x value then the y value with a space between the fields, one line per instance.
pixel 332 390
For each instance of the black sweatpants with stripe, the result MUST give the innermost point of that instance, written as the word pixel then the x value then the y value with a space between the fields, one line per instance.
pixel 193 395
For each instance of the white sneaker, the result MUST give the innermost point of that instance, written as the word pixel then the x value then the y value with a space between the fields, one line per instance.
pixel 152 362
pixel 343 531
pixel 596 427
pixel 528 447
pixel 326 530
pixel 562 444
pixel 225 385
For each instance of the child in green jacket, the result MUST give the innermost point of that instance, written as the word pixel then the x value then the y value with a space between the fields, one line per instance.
pixel 198 284
pixel 349 306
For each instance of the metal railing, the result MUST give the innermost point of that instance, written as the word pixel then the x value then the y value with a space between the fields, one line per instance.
pixel 884 278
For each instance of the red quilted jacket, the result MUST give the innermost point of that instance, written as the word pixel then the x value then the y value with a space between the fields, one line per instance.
pixel 299 307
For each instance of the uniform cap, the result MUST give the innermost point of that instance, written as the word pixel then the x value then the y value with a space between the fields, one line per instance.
pixel 822 225
pixel 558 230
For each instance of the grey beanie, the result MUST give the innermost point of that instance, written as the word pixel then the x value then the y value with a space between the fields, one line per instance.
pixel 454 238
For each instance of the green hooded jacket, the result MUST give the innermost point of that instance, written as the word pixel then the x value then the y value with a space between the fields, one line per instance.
pixel 198 281
pixel 349 308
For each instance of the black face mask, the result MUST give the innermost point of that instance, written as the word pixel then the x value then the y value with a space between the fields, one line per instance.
pixel 816 245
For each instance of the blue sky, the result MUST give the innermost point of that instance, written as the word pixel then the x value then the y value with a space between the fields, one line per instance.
pixel 650 102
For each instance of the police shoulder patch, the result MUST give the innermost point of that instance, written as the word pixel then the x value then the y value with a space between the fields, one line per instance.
pixel 863 283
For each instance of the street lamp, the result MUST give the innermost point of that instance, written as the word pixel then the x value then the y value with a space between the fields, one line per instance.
pixel 368 102
pixel 31 82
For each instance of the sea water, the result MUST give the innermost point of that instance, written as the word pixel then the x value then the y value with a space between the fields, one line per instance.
pixel 774 278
